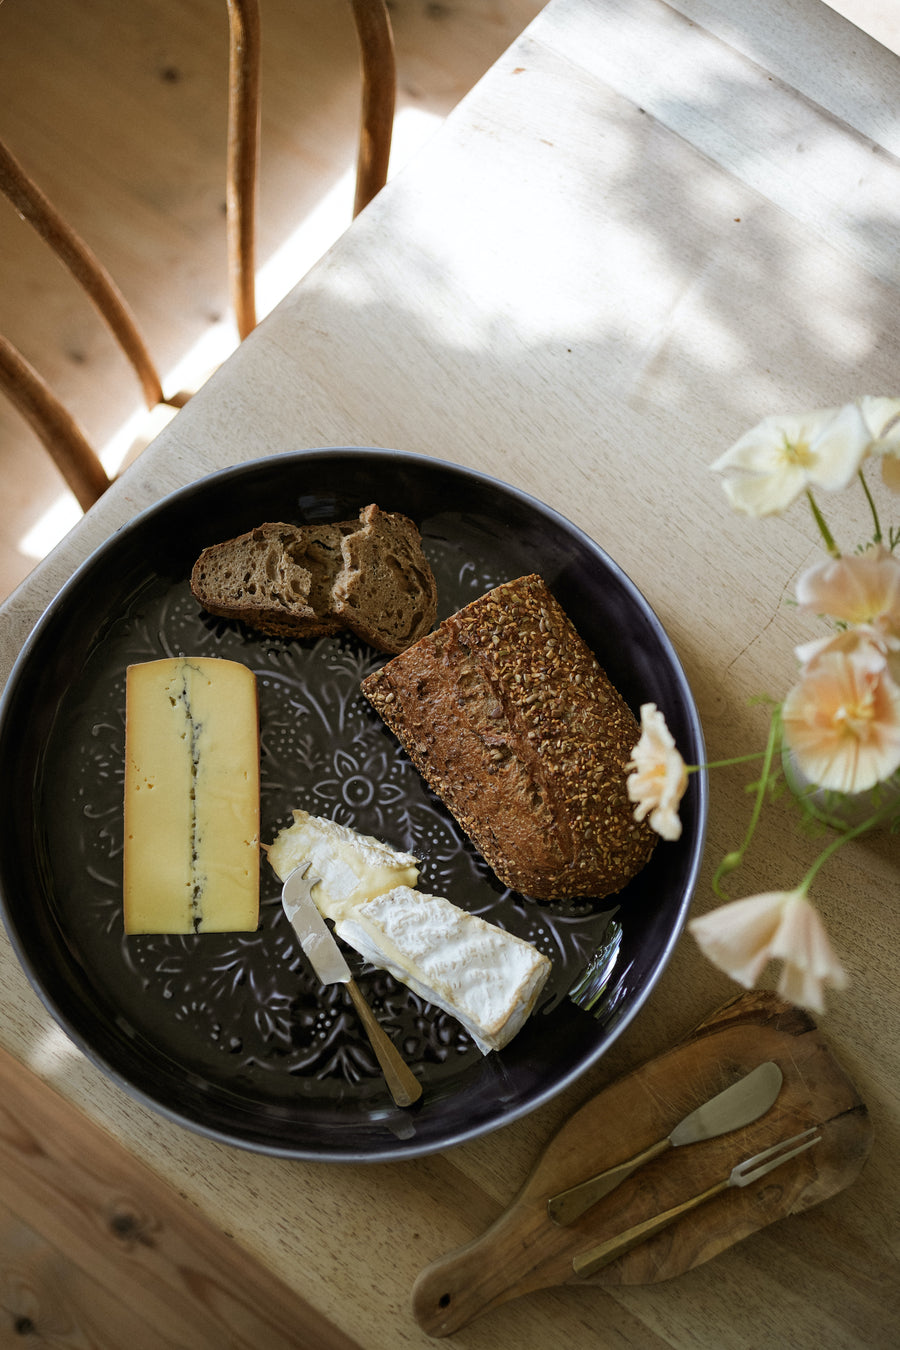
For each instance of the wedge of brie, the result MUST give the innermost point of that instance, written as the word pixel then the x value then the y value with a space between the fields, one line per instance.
pixel 486 978
pixel 351 867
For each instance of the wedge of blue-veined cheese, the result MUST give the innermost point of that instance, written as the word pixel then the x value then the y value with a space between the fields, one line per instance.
pixel 351 867
pixel 191 818
pixel 487 978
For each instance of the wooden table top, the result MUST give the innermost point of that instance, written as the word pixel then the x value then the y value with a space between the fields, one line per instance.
pixel 648 227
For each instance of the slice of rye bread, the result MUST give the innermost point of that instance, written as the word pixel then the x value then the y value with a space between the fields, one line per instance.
pixel 508 716
pixel 277 578
pixel 385 592
pixel 368 575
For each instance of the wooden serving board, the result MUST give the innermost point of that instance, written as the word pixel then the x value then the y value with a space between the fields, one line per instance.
pixel 524 1250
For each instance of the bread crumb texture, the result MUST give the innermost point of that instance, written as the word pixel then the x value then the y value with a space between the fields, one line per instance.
pixel 510 719
pixel 367 576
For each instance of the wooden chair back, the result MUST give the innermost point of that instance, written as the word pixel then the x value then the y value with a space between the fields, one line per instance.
pixel 20 381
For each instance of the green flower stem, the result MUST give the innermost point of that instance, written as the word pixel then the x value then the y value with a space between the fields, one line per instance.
pixel 725 763
pixel 877 818
pixel 734 859
pixel 877 536
pixel 823 528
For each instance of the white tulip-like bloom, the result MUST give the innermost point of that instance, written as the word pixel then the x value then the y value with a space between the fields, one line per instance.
pixel 742 937
pixel 781 457
pixel 882 416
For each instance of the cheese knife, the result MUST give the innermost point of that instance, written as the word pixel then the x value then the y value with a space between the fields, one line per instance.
pixel 327 960
pixel 742 1103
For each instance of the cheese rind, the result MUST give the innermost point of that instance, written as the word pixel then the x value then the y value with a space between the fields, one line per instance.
pixel 191 841
pixel 351 867
pixel 485 977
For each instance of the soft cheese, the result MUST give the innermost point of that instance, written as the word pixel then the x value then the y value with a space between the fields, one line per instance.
pixel 191 853
pixel 485 977
pixel 351 867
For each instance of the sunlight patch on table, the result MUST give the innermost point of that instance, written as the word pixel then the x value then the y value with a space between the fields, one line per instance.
pixel 53 1053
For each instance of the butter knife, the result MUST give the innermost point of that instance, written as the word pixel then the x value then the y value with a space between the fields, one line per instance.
pixel 327 961
pixel 742 1103
pixel 744 1174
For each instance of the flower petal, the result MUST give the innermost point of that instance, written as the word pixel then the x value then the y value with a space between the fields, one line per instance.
pixel 658 776
pixel 861 639
pixel 882 417
pixel 737 937
pixel 863 588
pixel 809 961
pixel 839 449
pixel 742 937
pixel 842 721
pixel 782 456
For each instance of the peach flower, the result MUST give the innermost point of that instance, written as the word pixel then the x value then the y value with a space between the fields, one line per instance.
pixel 862 590
pixel 658 776
pixel 842 721
pixel 742 937
pixel 782 457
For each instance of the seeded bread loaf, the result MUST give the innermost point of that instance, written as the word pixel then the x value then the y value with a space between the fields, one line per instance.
pixel 506 713
pixel 367 575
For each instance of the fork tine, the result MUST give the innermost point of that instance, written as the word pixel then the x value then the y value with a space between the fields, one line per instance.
pixel 754 1168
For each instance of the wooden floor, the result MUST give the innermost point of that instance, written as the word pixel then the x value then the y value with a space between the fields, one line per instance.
pixel 94 1252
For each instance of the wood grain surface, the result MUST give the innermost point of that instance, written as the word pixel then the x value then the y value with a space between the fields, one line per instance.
pixel 97 1252
pixel 649 226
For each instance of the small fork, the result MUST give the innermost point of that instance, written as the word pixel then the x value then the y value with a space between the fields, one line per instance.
pixel 742 1175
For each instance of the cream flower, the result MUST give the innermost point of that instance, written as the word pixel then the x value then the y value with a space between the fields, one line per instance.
pixel 882 416
pixel 741 938
pixel 783 456
pixel 842 721
pixel 658 776
pixel 862 590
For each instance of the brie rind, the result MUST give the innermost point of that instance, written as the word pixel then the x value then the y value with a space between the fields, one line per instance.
pixel 486 978
pixel 352 867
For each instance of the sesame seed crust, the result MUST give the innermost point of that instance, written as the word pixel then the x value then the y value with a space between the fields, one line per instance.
pixel 510 719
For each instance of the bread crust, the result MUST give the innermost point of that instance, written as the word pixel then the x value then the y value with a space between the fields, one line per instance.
pixel 272 578
pixel 508 716
pixel 369 576
pixel 385 591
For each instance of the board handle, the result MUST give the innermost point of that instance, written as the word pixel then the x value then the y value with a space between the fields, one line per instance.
pixel 455 1289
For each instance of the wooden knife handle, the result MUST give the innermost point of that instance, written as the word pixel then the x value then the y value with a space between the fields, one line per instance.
pixel 403 1084
pixel 569 1205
